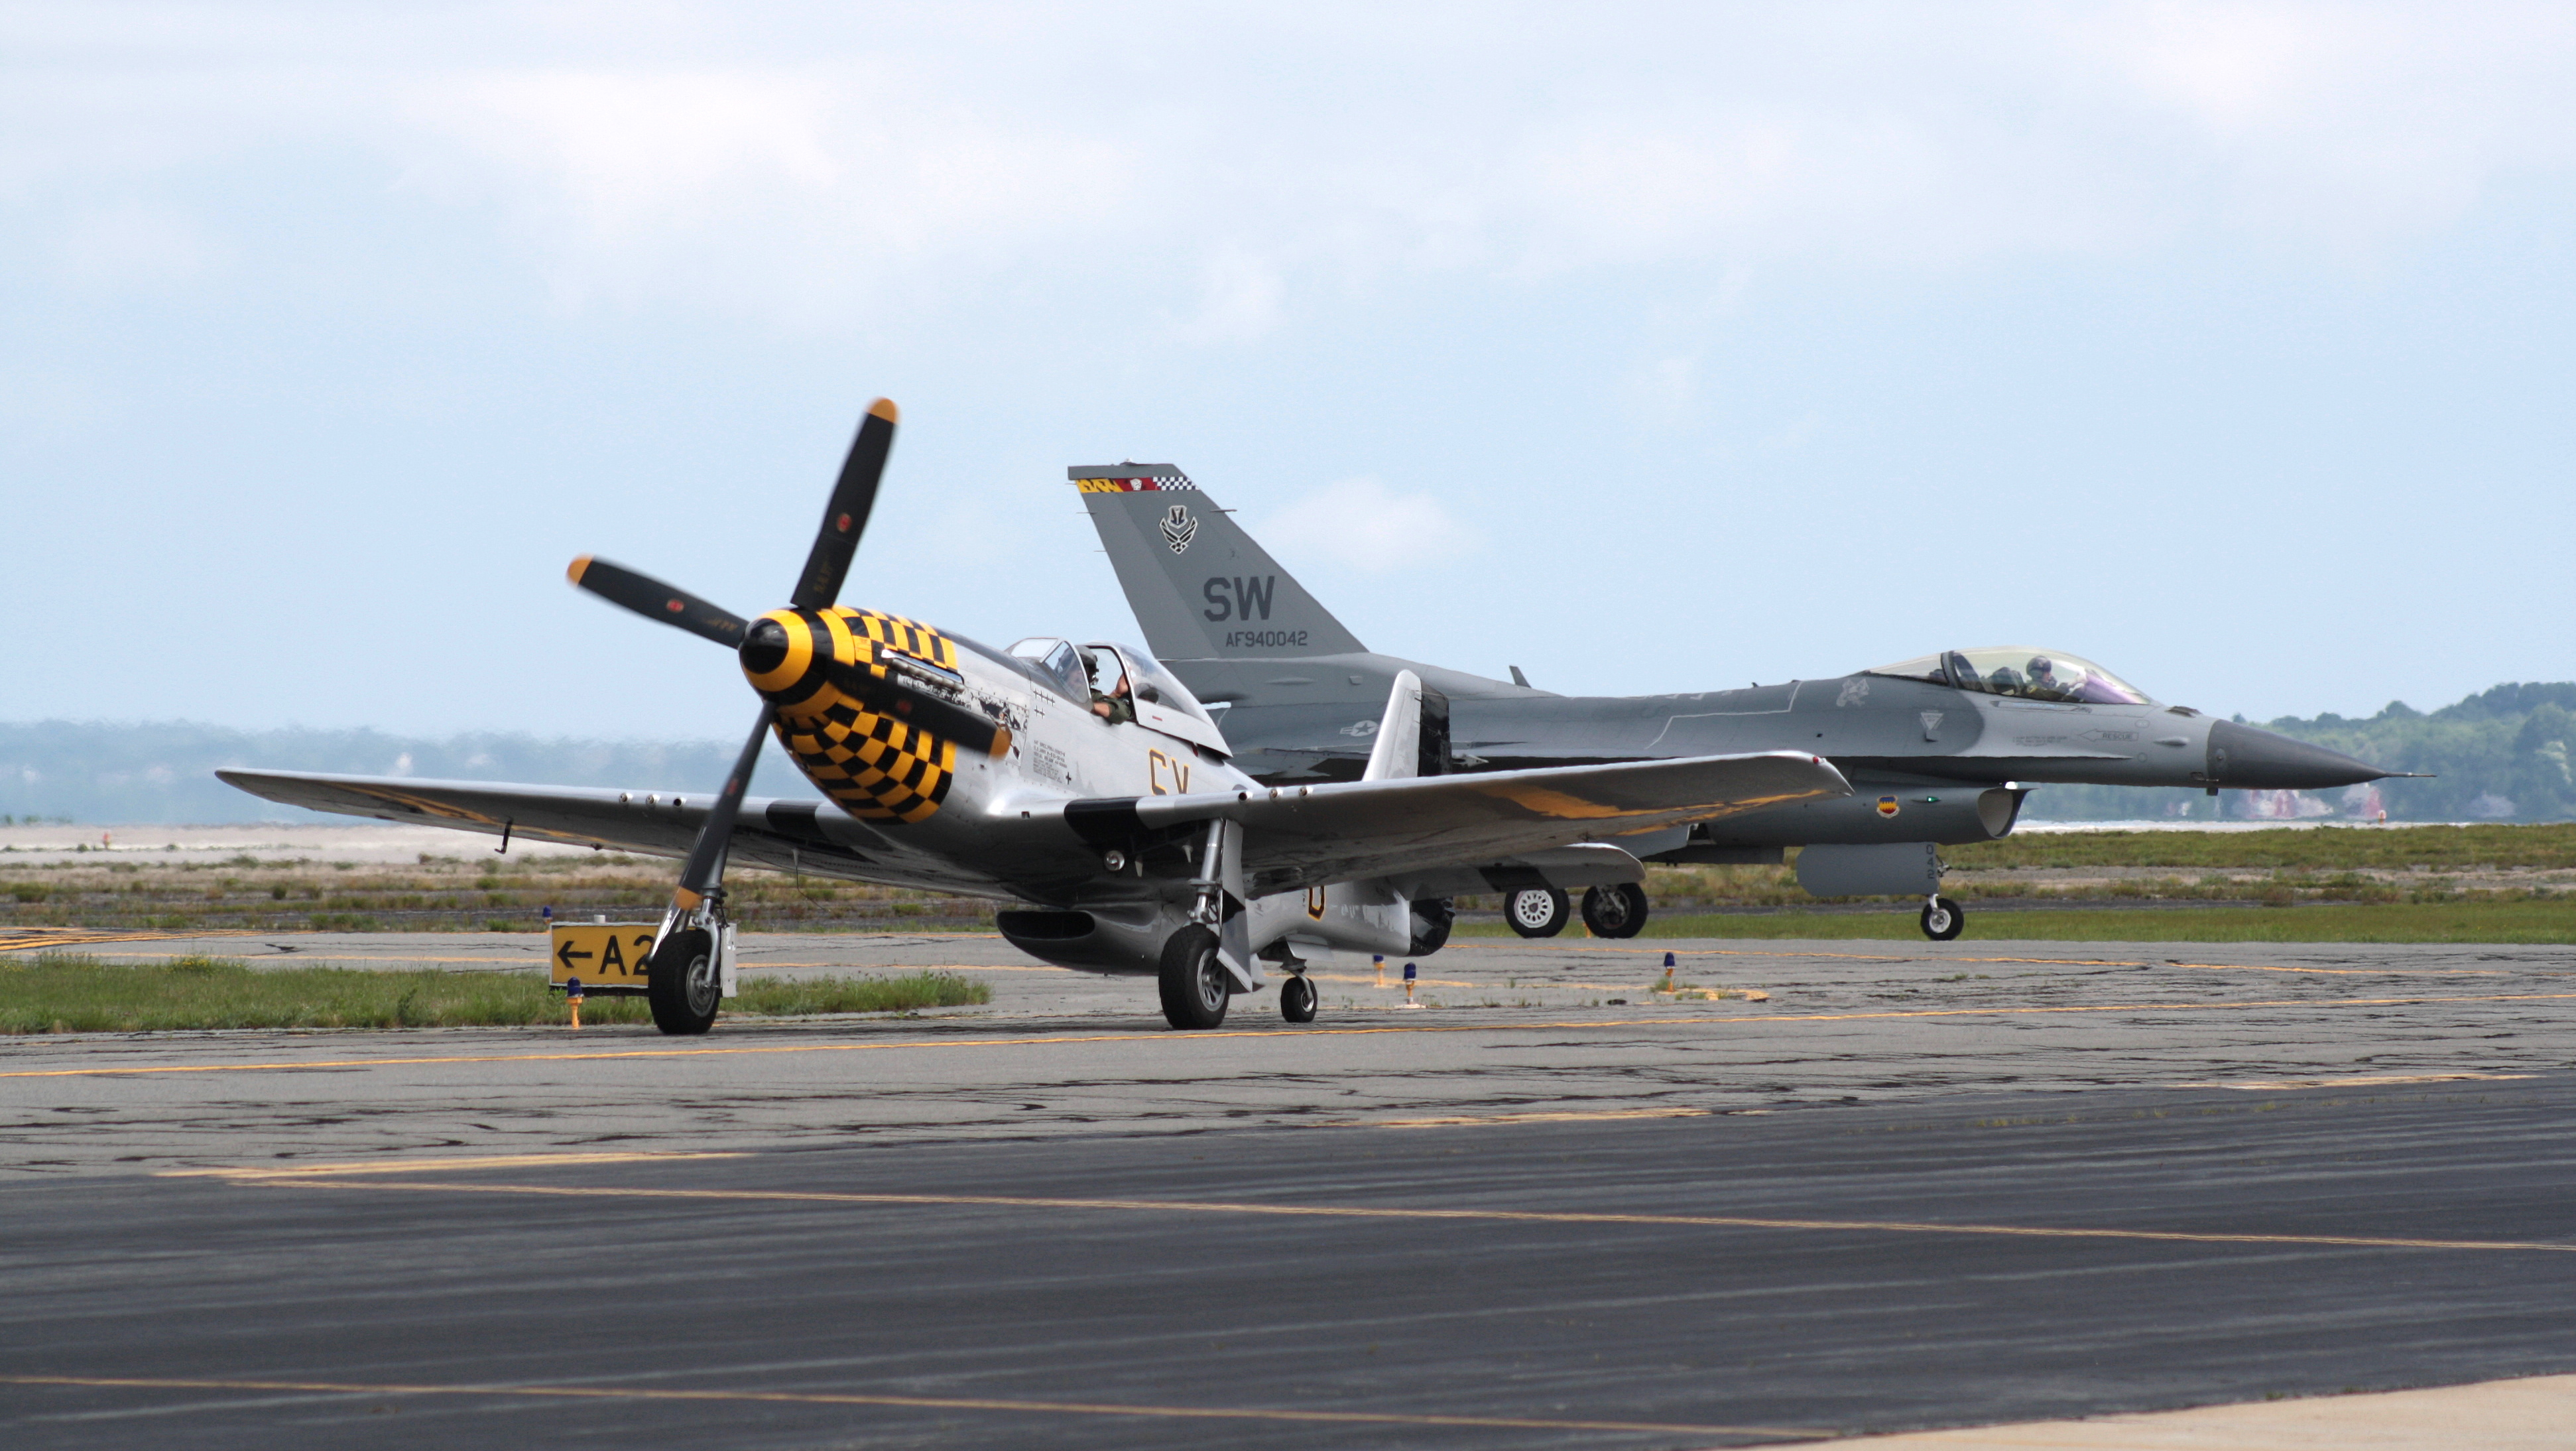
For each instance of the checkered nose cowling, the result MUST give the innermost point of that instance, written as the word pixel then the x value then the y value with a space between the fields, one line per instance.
pixel 876 765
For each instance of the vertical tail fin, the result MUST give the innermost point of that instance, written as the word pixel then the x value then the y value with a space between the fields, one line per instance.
pixel 1398 751
pixel 1200 587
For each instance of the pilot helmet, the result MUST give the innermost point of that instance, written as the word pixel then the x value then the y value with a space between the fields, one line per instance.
pixel 2042 668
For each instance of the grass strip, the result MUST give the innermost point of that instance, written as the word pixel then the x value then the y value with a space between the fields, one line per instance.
pixel 60 992
pixel 2545 845
pixel 2550 921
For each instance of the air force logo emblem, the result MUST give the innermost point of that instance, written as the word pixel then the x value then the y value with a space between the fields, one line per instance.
pixel 1179 529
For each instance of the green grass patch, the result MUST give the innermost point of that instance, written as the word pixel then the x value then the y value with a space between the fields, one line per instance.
pixel 797 997
pixel 2549 921
pixel 2330 848
pixel 57 992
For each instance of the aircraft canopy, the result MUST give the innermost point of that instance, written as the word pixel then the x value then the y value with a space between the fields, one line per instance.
pixel 2022 671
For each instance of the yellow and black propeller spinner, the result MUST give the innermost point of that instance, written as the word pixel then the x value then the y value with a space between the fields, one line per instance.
pixel 767 646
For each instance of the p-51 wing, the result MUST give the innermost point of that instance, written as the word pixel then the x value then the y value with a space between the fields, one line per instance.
pixel 807 836
pixel 1304 836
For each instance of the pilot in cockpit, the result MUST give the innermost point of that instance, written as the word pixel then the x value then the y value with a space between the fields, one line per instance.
pixel 2047 683
pixel 1116 704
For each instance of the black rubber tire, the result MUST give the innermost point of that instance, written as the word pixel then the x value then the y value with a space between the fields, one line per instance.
pixel 1615 912
pixel 1196 987
pixel 682 984
pixel 1942 919
pixel 1432 919
pixel 1297 999
pixel 1522 909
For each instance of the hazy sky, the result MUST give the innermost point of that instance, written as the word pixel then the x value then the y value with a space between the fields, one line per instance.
pixel 1648 348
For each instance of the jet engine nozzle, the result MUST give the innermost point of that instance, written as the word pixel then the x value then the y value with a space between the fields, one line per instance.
pixel 2254 759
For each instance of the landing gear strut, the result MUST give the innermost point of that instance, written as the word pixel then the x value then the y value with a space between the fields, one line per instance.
pixel 1297 999
pixel 1942 918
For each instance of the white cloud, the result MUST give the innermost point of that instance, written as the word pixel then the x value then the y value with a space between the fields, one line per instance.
pixel 798 191
pixel 132 244
pixel 1665 391
pixel 810 167
pixel 1239 298
pixel 1362 524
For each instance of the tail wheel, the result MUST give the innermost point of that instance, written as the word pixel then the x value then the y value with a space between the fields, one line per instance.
pixel 1535 911
pixel 1942 919
pixel 1618 911
pixel 1297 999
pixel 684 983
pixel 1196 987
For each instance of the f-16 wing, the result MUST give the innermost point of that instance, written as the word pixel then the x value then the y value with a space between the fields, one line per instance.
pixel 1302 836
pixel 807 836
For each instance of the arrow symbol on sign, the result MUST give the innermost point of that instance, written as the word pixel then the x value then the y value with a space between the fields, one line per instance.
pixel 566 953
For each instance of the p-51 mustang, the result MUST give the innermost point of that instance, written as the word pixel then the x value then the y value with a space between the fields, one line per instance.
pixel 1083 782
pixel 1941 749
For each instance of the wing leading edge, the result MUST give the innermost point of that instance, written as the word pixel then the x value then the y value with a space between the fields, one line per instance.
pixel 806 836
pixel 1302 836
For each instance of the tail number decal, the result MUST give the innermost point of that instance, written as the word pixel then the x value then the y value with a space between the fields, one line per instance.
pixel 1246 598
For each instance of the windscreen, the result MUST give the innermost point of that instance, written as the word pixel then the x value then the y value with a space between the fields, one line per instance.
pixel 2023 672
pixel 1058 663
pixel 1144 669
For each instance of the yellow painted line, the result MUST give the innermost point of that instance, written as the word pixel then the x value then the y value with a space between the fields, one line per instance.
pixel 935 1403
pixel 1218 1035
pixel 2347 971
pixel 433 1164
pixel 1565 1116
pixel 1482 1216
pixel 534 959
pixel 84 937
pixel 749 966
pixel 2359 1080
pixel 2036 961
pixel 1758 952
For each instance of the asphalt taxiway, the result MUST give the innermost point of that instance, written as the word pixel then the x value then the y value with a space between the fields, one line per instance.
pixel 1905 1186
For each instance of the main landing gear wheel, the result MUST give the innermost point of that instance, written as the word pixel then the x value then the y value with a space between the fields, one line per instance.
pixel 1196 987
pixel 1618 911
pixel 1942 919
pixel 1535 911
pixel 684 983
pixel 1297 999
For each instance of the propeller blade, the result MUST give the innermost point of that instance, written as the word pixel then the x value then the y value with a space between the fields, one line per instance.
pixel 706 864
pixel 819 587
pixel 655 600
pixel 888 695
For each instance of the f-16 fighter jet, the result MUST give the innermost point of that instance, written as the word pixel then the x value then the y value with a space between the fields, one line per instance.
pixel 1940 749
pixel 1084 783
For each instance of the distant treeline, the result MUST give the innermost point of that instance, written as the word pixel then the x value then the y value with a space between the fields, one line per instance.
pixel 164 773
pixel 2497 756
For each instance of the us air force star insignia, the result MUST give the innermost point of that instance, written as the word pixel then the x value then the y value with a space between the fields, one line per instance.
pixel 1179 529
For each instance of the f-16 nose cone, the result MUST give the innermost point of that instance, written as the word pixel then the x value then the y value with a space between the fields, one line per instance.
pixel 2254 759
